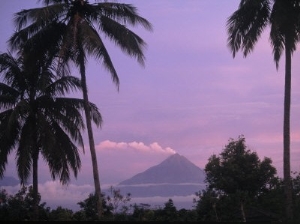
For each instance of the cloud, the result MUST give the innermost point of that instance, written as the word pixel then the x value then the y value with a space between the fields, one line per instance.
pixel 156 202
pixel 55 194
pixel 121 160
pixel 134 146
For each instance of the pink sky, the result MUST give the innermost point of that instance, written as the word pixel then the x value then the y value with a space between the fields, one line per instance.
pixel 190 97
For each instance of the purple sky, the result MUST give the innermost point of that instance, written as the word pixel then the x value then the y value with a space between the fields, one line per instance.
pixel 190 97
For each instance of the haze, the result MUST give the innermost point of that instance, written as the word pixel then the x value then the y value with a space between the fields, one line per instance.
pixel 190 98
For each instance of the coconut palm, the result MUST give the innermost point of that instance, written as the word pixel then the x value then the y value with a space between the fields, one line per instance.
pixel 82 27
pixel 36 119
pixel 245 26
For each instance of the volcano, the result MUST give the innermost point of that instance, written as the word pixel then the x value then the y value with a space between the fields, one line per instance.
pixel 175 176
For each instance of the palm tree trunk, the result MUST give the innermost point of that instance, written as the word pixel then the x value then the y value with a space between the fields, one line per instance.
pixel 91 141
pixel 215 210
pixel 286 135
pixel 35 186
pixel 243 212
pixel 35 157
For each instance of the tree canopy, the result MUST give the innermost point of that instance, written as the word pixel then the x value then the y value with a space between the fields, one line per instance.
pixel 77 27
pixel 238 169
pixel 238 172
pixel 245 27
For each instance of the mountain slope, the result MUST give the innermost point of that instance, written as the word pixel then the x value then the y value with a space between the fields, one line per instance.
pixel 176 169
pixel 175 176
pixel 9 181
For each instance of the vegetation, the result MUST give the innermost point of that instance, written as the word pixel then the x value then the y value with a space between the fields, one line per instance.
pixel 245 26
pixel 77 28
pixel 240 187
pixel 209 206
pixel 238 174
pixel 37 119
pixel 19 208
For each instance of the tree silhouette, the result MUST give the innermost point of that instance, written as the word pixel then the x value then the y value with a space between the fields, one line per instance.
pixel 78 27
pixel 245 26
pixel 36 118
pixel 238 172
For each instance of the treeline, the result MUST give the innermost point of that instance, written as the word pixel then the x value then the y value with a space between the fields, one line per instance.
pixel 240 188
pixel 267 207
pixel 116 207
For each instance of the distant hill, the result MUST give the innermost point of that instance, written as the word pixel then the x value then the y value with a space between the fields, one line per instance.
pixel 9 181
pixel 175 176
pixel 175 169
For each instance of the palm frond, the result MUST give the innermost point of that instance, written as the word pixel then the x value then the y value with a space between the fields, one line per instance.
pixel 63 85
pixel 36 118
pixel 6 102
pixel 27 143
pixel 285 24
pixel 67 46
pixel 38 16
pixel 96 115
pixel 65 112
pixel 47 40
pixel 8 96
pixel 277 41
pixel 129 42
pixel 66 156
pixel 10 128
pixel 9 66
pixel 41 20
pixel 50 2
pixel 123 13
pixel 94 45
pixel 46 137
pixel 8 138
pixel 246 24
pixel 18 40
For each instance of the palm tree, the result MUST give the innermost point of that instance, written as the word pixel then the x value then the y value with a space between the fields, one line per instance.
pixel 36 119
pixel 245 26
pixel 82 27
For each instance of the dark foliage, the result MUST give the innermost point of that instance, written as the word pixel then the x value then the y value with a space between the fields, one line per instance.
pixel 210 206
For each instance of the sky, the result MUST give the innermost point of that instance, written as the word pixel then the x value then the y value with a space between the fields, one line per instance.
pixel 190 98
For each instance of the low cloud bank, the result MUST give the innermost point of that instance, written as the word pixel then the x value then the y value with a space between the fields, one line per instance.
pixel 136 146
pixel 55 194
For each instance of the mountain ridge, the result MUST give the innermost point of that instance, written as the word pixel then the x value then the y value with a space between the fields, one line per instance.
pixel 175 176
pixel 8 181
pixel 173 170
